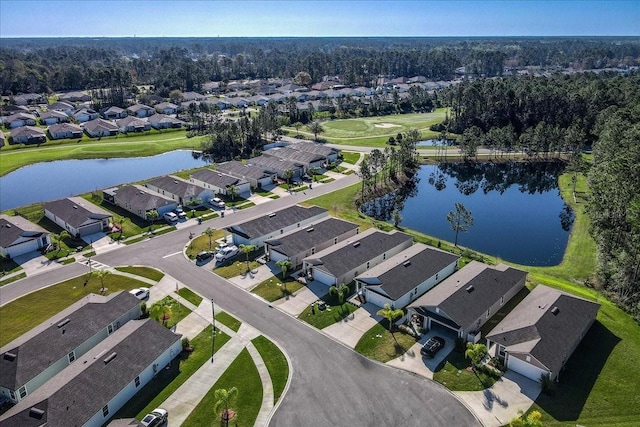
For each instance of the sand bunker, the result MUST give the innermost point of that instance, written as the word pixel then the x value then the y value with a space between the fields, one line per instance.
pixel 386 125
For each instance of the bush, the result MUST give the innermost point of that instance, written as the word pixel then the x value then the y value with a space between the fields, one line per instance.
pixel 407 330
pixel 497 363
pixel 186 344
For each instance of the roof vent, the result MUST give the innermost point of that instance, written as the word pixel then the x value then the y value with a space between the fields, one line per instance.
pixel 470 288
pixel 555 311
pixel 8 225
pixel 175 181
pixel 356 244
pixel 10 356
pixel 406 263
pixel 36 413
pixel 75 207
pixel 64 322
pixel 110 357
pixel 272 214
pixel 309 230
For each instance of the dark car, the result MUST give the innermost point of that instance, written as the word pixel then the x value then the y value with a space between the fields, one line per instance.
pixel 432 346
pixel 204 255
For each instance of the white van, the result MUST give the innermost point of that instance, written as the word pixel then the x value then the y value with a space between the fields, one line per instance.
pixel 170 217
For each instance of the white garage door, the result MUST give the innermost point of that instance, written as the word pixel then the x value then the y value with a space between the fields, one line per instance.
pixel 376 299
pixel 23 248
pixel 525 369
pixel 276 256
pixel 323 277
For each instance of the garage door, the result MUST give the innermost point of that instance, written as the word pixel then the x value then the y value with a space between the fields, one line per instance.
pixel 90 229
pixel 323 277
pixel 443 325
pixel 524 368
pixel 375 298
pixel 276 256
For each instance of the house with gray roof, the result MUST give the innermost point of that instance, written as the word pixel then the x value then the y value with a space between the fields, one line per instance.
pixel 52 117
pixel 90 391
pixel 28 99
pixel 256 175
pixel 301 243
pixel 100 127
pixel 541 333
pixel 64 130
pixel 18 236
pixel 85 114
pixel 139 201
pixel 467 299
pixel 330 154
pixel 162 121
pixel 28 135
pixel 63 106
pixel 166 108
pixel 256 231
pixel 278 166
pixel 75 96
pixel 132 124
pixel 141 110
pixel 406 276
pixel 341 263
pixel 21 119
pixel 114 113
pixel 307 159
pixel 183 192
pixel 78 216
pixel 218 182
pixel 35 357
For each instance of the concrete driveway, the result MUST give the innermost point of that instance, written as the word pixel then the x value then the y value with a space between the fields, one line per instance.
pixel 413 361
pixel 350 329
pixel 296 303
pixel 34 263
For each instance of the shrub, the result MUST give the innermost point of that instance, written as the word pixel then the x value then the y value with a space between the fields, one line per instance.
pixel 407 330
pixel 497 363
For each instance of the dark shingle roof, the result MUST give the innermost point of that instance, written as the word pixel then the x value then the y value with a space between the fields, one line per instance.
pixel 275 221
pixel 294 155
pixel 176 186
pixel 99 125
pixel 37 353
pixel 344 257
pixel 12 228
pixel 140 200
pixel 76 211
pixel 406 270
pixel 312 147
pixel 243 170
pixel 216 178
pixel 80 391
pixel 312 235
pixel 274 164
pixel 532 327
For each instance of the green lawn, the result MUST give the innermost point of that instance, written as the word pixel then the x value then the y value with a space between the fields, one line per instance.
pixel 8 265
pixel 275 362
pixel 25 313
pixel 190 296
pixel 378 344
pixel 243 375
pixel 178 311
pixel 274 288
pixel 203 243
pixel 146 272
pixel 13 279
pixel 228 320
pixel 350 157
pixel 455 375
pixel 169 380
pixel 334 312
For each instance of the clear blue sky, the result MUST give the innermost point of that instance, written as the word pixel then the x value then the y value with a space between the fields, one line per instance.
pixel 243 18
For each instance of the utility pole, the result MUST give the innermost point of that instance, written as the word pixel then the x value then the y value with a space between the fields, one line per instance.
pixel 213 330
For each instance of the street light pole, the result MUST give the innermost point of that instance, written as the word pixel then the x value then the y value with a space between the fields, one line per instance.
pixel 213 329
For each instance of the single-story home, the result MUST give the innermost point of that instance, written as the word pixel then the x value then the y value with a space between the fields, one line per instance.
pixel 77 96
pixel 341 263
pixel 256 231
pixel 21 119
pixel 301 243
pixel 330 154
pixel 183 192
pixel 32 359
pixel 166 108
pixel 219 182
pixel 85 114
pixel 99 128
pixel 278 166
pixel 78 216
pixel 192 96
pixel 65 130
pixel 141 110
pixel 406 276
pixel 28 135
pixel 52 117
pixel 132 124
pixel 28 99
pixel 19 236
pixel 113 113
pixel 467 299
pixel 162 121
pixel 90 391
pixel 306 159
pixel 63 106
pixel 139 201
pixel 541 333
pixel 256 175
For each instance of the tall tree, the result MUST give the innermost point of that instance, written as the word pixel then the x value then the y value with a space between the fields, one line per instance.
pixel 460 219
pixel 102 274
pixel 247 249
pixel 223 400
pixel 284 265
pixel 341 291
pixel 316 128
pixel 475 353
pixel 209 232
pixel 391 314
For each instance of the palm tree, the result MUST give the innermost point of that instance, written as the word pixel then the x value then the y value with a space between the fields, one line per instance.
pixel 152 216
pixel 223 399
pixel 316 128
pixel 284 265
pixel 101 274
pixel 314 171
pixel 161 311
pixel 247 249
pixel 460 219
pixel 58 238
pixel 391 314
pixel 475 352
pixel 233 192
pixel 209 233
pixel 288 174
pixel 340 291
pixel 120 221
pixel 297 125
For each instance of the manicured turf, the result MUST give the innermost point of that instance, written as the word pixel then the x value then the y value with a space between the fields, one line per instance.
pixel 378 344
pixel 147 272
pixel 13 279
pixel 350 157
pixel 274 288
pixel 275 362
pixel 228 320
pixel 178 311
pixel 190 296
pixel 455 375
pixel 243 375
pixel 25 313
pixel 203 243
pixel 334 312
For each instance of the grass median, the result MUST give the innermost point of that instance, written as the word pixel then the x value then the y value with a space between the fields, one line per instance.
pixel 275 362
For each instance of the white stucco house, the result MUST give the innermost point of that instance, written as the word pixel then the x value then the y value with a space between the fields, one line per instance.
pixel 18 236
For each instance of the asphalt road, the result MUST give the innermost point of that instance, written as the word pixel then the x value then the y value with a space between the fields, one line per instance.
pixel 331 385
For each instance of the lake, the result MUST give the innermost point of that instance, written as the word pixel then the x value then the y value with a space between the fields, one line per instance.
pixel 47 181
pixel 518 213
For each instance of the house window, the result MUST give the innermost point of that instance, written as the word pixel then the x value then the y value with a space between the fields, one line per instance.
pixel 137 381
pixel 501 351
pixel 105 410
pixel 71 356
pixel 12 394
pixel 528 358
pixel 502 300
pixel 22 392
pixel 437 309
pixel 110 329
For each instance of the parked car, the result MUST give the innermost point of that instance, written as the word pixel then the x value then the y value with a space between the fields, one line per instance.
pixel 217 203
pixel 204 255
pixel 227 253
pixel 432 346
pixel 140 293
pixel 179 209
pixel 221 246
pixel 182 215
pixel 170 217
pixel 155 418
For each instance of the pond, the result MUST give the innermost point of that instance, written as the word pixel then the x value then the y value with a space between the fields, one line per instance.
pixel 435 143
pixel 42 182
pixel 518 214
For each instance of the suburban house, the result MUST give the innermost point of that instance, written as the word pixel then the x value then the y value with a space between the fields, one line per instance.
pixel 406 276
pixel 28 99
pixel 63 106
pixel 141 110
pixel 306 159
pixel 166 108
pixel 341 263
pixel 79 217
pixel 10 110
pixel 192 96
pixel 464 301
pixel 278 166
pixel 52 117
pixel 255 175
pixel 183 192
pixel 77 96
pixel 19 236
pixel 64 130
pixel 90 391
pixel 21 119
pixel 35 357
pixel 139 201
pixel 113 113
pixel 330 154
pixel 258 230
pixel 219 182
pixel 162 121
pixel 132 124
pixel 301 243
pixel 539 335
pixel 28 135
pixel 85 114
pixel 99 128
